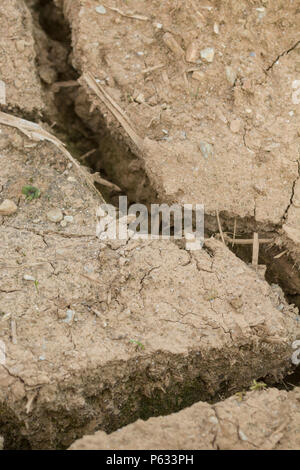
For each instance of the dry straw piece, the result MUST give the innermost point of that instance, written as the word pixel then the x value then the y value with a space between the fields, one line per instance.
pixel 128 15
pixel 35 132
pixel 2 93
pixel 255 251
pixel 114 108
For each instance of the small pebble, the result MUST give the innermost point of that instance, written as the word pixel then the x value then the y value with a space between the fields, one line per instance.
pixel 101 9
pixel 242 436
pixel 2 92
pixel 69 219
pixel 197 75
pixel 235 125
pixel 192 53
pixel 140 98
pixel 208 54
pixel 55 215
pixel 173 45
pixel 216 28
pixel 213 420
pixel 27 277
pixel 20 45
pixel 69 316
pixel 230 75
pixel 61 314
pixel 8 207
pixel 206 149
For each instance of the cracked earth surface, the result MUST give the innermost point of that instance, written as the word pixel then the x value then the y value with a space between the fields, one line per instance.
pixel 101 334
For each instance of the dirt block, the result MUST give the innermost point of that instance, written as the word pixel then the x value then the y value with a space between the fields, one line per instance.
pixel 99 334
pixel 23 91
pixel 266 420
pixel 229 140
pixel 182 132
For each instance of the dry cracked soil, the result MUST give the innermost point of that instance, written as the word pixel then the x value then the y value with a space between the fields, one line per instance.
pixel 143 343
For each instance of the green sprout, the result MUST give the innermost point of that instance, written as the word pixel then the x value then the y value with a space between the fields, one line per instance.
pixel 258 385
pixel 138 343
pixel 36 283
pixel 31 192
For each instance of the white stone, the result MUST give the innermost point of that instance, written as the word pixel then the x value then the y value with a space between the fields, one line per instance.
pixel 101 9
pixel 27 277
pixel 208 54
pixel 216 28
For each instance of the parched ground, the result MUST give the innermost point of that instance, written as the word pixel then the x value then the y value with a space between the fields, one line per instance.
pixel 98 334
pixel 211 101
pixel 223 132
pixel 265 420
pixel 18 72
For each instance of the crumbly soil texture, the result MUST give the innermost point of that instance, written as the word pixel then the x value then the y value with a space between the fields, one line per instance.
pixel 165 102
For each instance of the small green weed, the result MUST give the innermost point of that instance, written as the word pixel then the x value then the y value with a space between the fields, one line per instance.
pixel 258 385
pixel 138 343
pixel 31 192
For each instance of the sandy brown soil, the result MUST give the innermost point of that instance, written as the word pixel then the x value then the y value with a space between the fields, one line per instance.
pixel 224 132
pixel 17 60
pixel 100 334
pixel 207 323
pixel 265 420
pixel 230 143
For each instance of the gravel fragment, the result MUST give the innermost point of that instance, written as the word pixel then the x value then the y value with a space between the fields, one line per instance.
pixel 27 277
pixel 208 54
pixel 216 28
pixel 20 45
pixel 197 75
pixel 69 316
pixel 69 219
pixel 55 215
pixel 206 149
pixel 192 53
pixel 173 45
pixel 8 207
pixel 101 9
pixel 2 92
pixel 235 125
pixel 230 75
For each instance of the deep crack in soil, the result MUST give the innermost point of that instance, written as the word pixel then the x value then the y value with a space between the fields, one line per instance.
pixel 115 161
pixel 87 138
